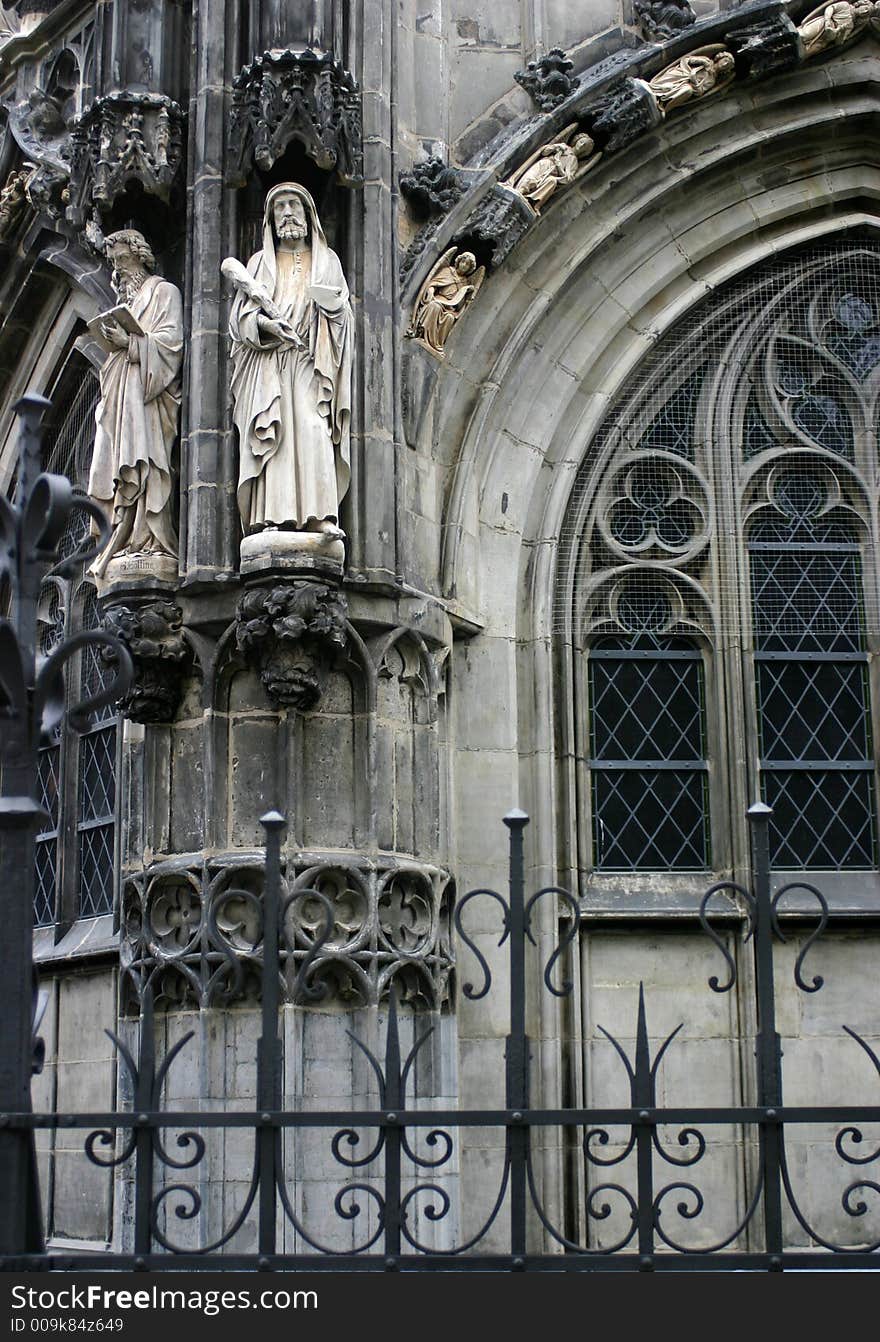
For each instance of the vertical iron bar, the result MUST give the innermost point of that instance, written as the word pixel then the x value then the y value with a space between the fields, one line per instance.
pixel 643 1099
pixel 269 1047
pixel 517 1051
pixel 392 1103
pixel 20 816
pixel 145 1100
pixel 767 1045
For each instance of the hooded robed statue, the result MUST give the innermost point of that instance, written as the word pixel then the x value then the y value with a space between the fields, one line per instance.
pixel 291 331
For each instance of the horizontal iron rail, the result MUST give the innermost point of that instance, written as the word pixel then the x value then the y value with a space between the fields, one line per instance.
pixel 453 1118
pixel 666 1261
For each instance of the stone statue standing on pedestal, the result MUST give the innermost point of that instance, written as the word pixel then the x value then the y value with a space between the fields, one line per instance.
pixel 137 414
pixel 291 330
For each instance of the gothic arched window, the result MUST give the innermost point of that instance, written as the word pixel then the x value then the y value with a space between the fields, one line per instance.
pixel 718 587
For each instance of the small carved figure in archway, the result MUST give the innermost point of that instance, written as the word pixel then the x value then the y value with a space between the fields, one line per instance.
pixel 554 165
pixel 831 25
pixel 444 297
pixel 705 71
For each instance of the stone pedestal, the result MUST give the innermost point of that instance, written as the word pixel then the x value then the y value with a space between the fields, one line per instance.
pixel 137 572
pixel 273 552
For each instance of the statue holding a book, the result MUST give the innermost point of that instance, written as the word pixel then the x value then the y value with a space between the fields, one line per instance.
pixel 137 416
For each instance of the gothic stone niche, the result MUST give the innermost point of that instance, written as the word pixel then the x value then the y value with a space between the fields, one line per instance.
pixel 153 635
pixel 290 632
pixel 306 96
pixel 193 931
pixel 123 138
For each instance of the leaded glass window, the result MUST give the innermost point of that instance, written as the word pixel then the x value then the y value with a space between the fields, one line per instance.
pixel 97 784
pixel 77 775
pixel 647 755
pixel 811 684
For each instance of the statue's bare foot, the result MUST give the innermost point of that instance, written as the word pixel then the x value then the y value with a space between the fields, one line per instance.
pixel 330 529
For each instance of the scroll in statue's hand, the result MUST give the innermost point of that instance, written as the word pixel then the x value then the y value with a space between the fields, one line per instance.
pixel 326 296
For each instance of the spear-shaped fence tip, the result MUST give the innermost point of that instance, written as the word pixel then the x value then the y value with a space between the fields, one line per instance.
pixel 272 820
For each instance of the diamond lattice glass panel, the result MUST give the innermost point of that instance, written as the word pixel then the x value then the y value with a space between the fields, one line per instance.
pixel 97 787
pixel 813 710
pixel 821 820
pixel 97 784
pixel 807 600
pixel 96 871
pixel 672 429
pixel 45 857
pixel 48 760
pixel 647 708
pixel 650 821
pixel 813 706
pixel 46 851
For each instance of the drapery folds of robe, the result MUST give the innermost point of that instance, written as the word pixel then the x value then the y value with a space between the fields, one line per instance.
pixel 292 406
pixel 136 421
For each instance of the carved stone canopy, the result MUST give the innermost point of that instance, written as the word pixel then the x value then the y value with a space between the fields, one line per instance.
pixel 305 96
pixel 122 138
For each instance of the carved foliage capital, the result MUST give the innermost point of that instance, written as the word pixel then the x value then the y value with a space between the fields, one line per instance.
pixel 291 632
pixel 305 96
pixel 153 634
pixel 548 80
pixel 433 187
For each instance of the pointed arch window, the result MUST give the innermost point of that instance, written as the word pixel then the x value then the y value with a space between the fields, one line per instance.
pixel 738 473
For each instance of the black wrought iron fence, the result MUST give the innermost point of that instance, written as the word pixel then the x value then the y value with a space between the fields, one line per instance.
pixel 396 1157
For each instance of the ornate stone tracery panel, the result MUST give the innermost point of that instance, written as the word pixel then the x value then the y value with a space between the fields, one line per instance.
pixel 192 930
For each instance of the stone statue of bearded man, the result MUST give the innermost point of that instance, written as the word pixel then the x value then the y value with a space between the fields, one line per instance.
pixel 291 331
